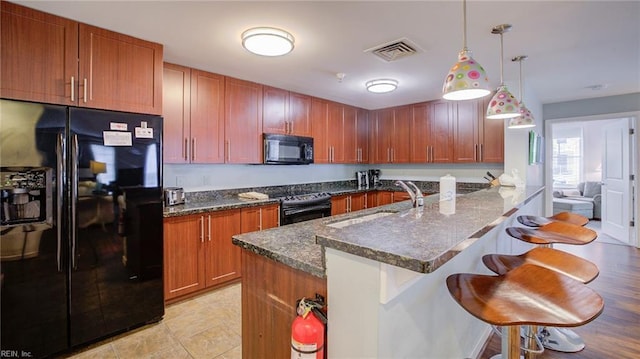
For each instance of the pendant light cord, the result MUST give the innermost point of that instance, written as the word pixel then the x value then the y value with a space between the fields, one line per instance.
pixel 501 62
pixel 521 93
pixel 464 25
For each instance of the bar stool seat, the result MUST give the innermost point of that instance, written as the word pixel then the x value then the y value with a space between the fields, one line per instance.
pixel 562 262
pixel 513 299
pixel 538 221
pixel 554 232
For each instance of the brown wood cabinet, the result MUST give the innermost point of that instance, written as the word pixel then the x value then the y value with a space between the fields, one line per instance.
pixel 258 218
pixel 432 132
pixel 477 139
pixel 371 200
pixel 193 114
pixel 392 128
pixel 243 121
pixel 198 252
pixel 285 112
pixel 183 255
pixel 385 197
pixel 46 58
pixel 269 294
pixel 319 130
pixel 362 135
pixel 348 203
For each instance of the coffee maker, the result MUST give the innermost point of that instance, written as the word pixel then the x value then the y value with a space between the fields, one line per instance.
pixel 362 178
pixel 374 178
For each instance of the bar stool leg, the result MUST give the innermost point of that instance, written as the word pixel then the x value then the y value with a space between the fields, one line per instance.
pixel 510 343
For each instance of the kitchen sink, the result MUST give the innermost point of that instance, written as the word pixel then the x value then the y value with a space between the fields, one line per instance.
pixel 360 219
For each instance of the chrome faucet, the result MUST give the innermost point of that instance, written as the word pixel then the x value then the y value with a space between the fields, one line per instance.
pixel 419 202
pixel 417 199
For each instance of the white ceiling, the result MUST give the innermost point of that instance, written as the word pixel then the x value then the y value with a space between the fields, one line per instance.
pixel 571 44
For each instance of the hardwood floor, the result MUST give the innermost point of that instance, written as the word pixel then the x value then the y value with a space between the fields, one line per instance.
pixel 615 333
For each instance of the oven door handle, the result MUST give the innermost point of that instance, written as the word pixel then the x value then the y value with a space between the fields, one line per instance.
pixel 298 210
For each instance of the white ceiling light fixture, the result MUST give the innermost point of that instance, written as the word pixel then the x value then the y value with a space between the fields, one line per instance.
pixel 382 85
pixel 267 41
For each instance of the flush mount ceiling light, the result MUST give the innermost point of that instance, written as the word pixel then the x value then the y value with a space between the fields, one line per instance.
pixel 525 120
pixel 466 79
pixel 382 85
pixel 503 104
pixel 267 41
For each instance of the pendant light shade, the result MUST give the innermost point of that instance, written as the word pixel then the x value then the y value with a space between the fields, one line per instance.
pixel 466 79
pixel 503 104
pixel 525 120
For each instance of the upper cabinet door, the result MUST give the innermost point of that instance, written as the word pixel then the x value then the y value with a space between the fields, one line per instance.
pixel 467 148
pixel 420 146
pixel 274 110
pixel 176 113
pixel 400 142
pixel 243 121
pixel 38 56
pixel 207 117
pixel 350 131
pixel 299 114
pixel 119 72
pixel 491 136
pixel 319 124
pixel 441 131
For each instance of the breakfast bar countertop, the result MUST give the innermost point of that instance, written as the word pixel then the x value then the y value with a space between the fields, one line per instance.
pixel 421 241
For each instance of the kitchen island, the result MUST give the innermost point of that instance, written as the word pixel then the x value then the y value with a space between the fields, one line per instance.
pixel 385 270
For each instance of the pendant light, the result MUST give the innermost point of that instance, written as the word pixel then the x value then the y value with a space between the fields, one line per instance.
pixel 525 120
pixel 466 79
pixel 503 104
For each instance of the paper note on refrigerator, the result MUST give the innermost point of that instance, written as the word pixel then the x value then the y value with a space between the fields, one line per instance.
pixel 113 138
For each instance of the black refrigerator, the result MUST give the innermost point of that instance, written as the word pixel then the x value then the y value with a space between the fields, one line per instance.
pixel 81 232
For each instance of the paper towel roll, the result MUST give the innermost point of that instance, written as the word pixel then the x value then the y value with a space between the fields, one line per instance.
pixel 447 194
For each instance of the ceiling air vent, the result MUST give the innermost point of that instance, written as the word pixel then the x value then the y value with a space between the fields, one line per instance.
pixel 394 50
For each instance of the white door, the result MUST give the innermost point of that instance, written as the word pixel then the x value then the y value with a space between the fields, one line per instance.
pixel 616 188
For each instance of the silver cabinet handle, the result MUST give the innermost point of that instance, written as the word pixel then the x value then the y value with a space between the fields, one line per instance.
pixel 184 149
pixel 388 155
pixel 60 168
pixel 193 149
pixel 228 150
pixel 209 227
pixel 74 198
pixel 85 90
pixel 475 152
pixel 392 155
pixel 480 159
pixel 73 90
pixel 260 222
pixel 201 229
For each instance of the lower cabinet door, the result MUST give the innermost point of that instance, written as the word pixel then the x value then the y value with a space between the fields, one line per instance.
pixel 183 255
pixel 222 261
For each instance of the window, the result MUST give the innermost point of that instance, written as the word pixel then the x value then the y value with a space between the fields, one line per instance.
pixel 567 160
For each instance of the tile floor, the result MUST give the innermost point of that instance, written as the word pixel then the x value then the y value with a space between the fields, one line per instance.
pixel 207 326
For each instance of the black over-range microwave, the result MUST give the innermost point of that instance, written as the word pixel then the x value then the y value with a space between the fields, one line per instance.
pixel 287 149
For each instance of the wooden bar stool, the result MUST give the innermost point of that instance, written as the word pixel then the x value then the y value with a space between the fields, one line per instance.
pixel 513 299
pixel 562 262
pixel 554 232
pixel 558 339
pixel 538 221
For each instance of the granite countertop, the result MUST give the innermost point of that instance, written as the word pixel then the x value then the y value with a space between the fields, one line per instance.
pixel 421 242
pixel 223 200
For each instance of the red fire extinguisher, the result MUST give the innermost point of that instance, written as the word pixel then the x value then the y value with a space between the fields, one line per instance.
pixel 308 331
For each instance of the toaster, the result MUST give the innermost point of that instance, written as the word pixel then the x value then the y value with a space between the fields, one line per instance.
pixel 173 196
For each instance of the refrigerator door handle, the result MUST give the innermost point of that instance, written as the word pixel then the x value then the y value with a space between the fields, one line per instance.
pixel 60 168
pixel 74 198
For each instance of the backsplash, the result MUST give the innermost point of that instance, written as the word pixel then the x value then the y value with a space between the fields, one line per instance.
pixel 427 187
